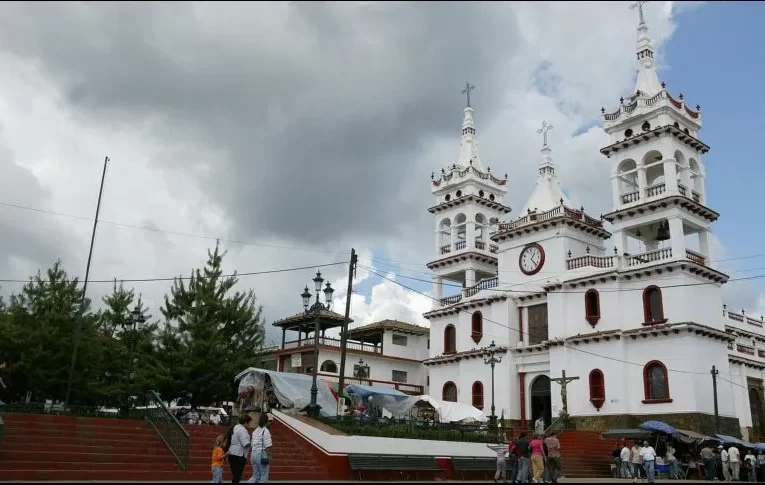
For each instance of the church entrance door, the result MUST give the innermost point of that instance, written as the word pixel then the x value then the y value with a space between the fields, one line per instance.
pixel 541 401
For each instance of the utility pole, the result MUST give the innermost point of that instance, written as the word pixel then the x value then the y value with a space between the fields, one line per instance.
pixel 344 327
pixel 78 329
pixel 714 390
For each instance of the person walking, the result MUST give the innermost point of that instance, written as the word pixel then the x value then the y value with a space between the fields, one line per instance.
pixel 537 458
pixel 637 463
pixel 218 455
pixel 553 457
pixel 725 462
pixel 649 460
pixel 624 457
pixel 522 448
pixel 501 450
pixel 674 469
pixel 237 451
pixel 261 454
pixel 707 458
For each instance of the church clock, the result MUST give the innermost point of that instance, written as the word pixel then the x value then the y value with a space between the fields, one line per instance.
pixel 532 259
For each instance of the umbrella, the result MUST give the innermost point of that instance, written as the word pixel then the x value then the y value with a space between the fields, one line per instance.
pixel 658 426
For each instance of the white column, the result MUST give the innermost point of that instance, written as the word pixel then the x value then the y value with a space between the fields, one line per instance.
pixel 677 238
pixel 470 232
pixel 616 192
pixel 438 242
pixel 621 241
pixel 642 182
pixel 704 247
pixel 670 176
pixel 469 277
pixel 438 288
pixel 454 237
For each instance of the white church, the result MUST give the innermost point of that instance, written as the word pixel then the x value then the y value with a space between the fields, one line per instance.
pixel 641 322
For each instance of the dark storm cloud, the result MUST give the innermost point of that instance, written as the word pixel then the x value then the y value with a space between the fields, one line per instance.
pixel 322 119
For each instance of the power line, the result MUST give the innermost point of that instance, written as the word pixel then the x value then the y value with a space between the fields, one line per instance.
pixel 605 290
pixel 518 331
pixel 201 277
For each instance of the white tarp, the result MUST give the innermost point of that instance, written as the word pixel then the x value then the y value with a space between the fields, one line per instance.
pixel 292 390
pixel 448 412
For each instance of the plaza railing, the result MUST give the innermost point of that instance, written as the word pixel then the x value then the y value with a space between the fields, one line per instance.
pixel 169 430
pixel 414 429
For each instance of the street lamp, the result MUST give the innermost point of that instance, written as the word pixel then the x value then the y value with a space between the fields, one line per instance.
pixel 492 361
pixel 316 309
pixel 130 326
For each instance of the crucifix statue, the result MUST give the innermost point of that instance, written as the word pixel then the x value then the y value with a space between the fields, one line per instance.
pixel 546 127
pixel 468 87
pixel 639 5
pixel 563 381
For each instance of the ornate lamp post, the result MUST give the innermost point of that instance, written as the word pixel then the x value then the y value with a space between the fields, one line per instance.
pixel 492 360
pixel 130 330
pixel 316 309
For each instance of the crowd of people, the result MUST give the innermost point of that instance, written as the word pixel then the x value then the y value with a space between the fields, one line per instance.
pixel 537 459
pixel 241 446
pixel 708 463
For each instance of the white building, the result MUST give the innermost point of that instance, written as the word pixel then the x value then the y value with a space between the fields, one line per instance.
pixel 640 324
pixel 388 353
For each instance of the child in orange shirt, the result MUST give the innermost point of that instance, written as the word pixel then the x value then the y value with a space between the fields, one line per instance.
pixel 218 455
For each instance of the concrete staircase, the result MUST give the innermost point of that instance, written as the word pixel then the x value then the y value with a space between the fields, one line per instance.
pixel 585 455
pixel 48 447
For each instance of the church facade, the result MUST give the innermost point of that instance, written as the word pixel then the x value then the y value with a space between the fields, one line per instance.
pixel 628 304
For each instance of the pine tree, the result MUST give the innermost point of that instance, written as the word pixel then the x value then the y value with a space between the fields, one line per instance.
pixel 212 332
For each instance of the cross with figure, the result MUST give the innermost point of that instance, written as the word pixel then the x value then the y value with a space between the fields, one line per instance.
pixel 546 127
pixel 563 381
pixel 639 5
pixel 468 87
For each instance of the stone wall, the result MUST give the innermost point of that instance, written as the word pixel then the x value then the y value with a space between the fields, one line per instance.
pixel 699 422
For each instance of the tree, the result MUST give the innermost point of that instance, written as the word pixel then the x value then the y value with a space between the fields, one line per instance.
pixel 212 332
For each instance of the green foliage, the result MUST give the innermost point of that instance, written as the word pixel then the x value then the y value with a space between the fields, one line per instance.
pixel 211 333
pixel 390 428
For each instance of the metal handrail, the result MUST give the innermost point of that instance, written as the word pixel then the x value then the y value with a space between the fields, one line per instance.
pixel 169 430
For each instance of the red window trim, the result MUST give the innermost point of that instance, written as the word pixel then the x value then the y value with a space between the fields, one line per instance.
pixel 597 388
pixel 476 326
pixel 647 384
pixel 593 317
pixel 443 391
pixel 477 394
pixel 647 317
pixel 449 329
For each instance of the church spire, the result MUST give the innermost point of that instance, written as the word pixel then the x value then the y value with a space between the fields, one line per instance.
pixel 469 142
pixel 546 165
pixel 647 77
pixel 548 192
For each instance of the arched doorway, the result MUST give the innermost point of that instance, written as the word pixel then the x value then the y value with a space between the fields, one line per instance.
pixel 755 407
pixel 541 402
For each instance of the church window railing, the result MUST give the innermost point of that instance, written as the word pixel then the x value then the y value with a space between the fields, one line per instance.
pixel 649 257
pixel 446 249
pixel 631 197
pixel 477 395
pixel 653 307
pixel 656 383
pixel 695 257
pixel 460 245
pixel 597 388
pixel 655 190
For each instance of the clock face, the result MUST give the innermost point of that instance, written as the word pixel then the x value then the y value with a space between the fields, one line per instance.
pixel 532 258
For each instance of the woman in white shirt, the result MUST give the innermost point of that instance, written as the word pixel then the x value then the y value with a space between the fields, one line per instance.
pixel 237 451
pixel 261 451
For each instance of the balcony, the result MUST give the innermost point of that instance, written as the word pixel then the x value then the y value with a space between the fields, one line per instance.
pixel 649 257
pixel 657 190
pixel 481 285
pixel 742 318
pixel 630 261
pixel 594 261
pixel 745 349
pixel 411 389
pixel 450 300
pixel 335 343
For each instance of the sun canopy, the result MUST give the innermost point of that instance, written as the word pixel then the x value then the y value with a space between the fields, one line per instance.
pixel 292 390
pixel 365 391
pixel 688 436
pixel 448 412
pixel 627 434
pixel 730 440
pixel 659 427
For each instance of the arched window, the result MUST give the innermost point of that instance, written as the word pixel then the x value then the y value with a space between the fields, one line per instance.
pixel 656 383
pixel 478 395
pixel 449 392
pixel 597 388
pixel 592 307
pixel 450 339
pixel 328 366
pixel 476 327
pixel 653 308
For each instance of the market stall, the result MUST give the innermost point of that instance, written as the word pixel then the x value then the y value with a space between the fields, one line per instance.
pixel 292 391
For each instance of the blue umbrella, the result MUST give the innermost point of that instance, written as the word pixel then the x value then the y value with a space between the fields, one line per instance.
pixel 658 426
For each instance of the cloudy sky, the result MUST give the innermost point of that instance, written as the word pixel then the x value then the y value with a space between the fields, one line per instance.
pixel 294 131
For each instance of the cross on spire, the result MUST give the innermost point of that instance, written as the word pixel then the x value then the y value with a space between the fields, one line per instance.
pixel 546 127
pixel 639 5
pixel 468 87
